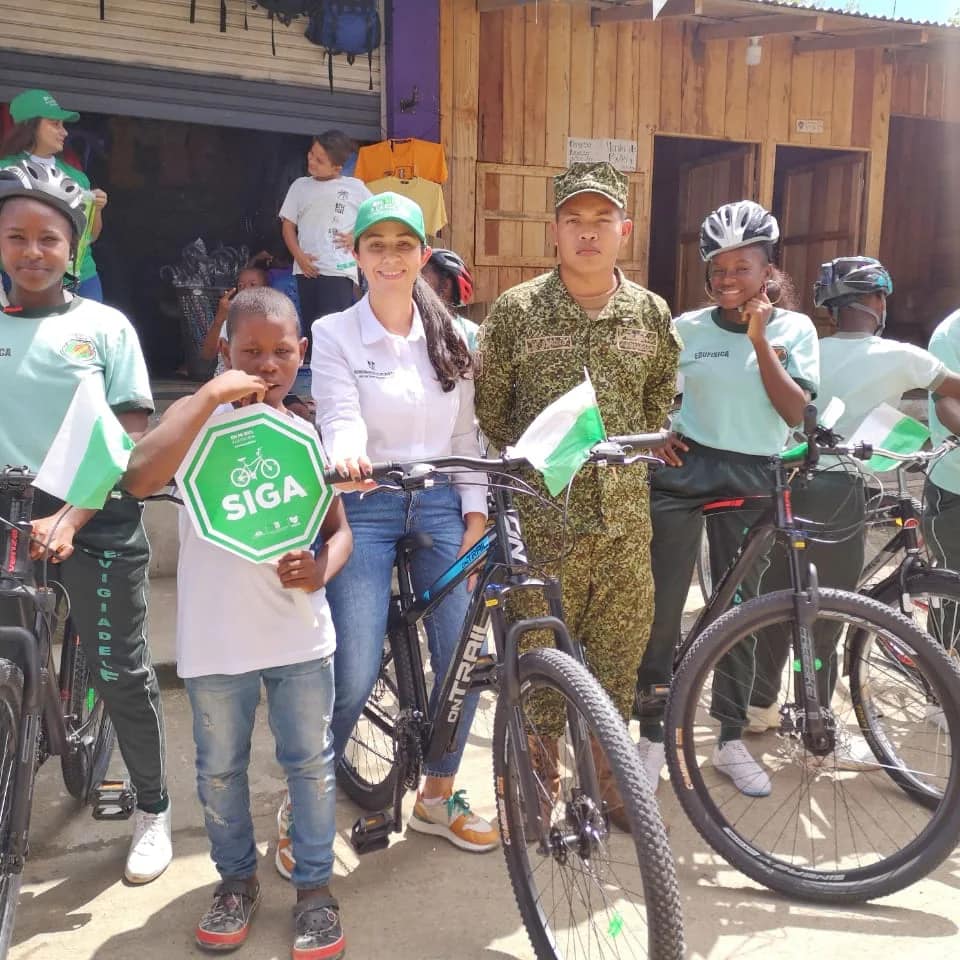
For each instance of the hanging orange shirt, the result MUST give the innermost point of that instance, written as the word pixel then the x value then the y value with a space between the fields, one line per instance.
pixel 402 158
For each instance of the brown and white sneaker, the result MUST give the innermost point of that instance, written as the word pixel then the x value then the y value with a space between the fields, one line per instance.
pixel 451 818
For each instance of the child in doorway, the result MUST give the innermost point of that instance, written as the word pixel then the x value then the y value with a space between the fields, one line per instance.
pixel 247 278
pixel 317 218
pixel 452 282
pixel 238 625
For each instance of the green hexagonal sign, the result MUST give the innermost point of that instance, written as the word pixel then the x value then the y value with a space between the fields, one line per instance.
pixel 253 483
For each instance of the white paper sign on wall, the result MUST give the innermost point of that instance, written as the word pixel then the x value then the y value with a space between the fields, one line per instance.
pixel 810 126
pixel 621 153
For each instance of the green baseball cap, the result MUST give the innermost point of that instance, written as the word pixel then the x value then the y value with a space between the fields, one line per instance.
pixel 38 103
pixel 603 178
pixel 389 206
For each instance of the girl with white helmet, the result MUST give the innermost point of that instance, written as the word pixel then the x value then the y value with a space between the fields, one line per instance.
pixel 750 364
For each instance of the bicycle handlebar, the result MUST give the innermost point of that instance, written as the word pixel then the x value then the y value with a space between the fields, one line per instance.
pixel 412 473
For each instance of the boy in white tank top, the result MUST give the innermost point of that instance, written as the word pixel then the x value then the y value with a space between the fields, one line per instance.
pixel 238 625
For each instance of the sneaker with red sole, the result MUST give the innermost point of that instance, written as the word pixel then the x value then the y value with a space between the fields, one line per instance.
pixel 319 935
pixel 226 924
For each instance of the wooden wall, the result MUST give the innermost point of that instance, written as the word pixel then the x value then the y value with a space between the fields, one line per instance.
pixel 516 83
pixel 159 33
pixel 926 87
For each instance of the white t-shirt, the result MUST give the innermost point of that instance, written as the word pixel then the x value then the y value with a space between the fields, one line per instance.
pixel 865 371
pixel 321 209
pixel 234 616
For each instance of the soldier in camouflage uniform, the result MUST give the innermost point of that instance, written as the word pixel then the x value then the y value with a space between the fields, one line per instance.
pixel 533 348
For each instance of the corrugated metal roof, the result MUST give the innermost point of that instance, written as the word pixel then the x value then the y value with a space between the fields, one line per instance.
pixel 827 7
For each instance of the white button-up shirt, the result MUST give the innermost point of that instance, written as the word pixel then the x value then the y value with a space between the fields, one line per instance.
pixel 378 396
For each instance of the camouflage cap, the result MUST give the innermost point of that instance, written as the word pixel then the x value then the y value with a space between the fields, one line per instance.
pixel 603 178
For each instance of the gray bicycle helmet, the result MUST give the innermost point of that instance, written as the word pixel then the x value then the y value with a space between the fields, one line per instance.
pixel 37 182
pixel 736 225
pixel 846 279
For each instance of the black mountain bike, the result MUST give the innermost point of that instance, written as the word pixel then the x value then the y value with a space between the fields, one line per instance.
pixel 583 888
pixel 825 832
pixel 44 709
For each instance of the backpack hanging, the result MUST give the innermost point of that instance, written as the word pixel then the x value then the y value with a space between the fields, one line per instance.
pixel 350 27
pixel 286 11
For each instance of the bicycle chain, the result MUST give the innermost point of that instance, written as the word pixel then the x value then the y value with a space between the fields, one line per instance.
pixel 407 746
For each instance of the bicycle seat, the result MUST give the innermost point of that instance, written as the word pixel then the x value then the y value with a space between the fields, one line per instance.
pixel 413 542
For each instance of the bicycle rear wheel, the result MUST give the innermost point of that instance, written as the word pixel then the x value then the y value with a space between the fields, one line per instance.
pixel 595 892
pixel 11 698
pixel 367 771
pixel 85 769
pixel 931 598
pixel 830 830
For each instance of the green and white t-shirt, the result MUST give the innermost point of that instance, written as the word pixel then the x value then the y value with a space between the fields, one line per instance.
pixel 42 359
pixel 724 402
pixel 945 345
pixel 865 371
pixel 87 268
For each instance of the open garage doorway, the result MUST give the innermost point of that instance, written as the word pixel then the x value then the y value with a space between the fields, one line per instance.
pixel 691 177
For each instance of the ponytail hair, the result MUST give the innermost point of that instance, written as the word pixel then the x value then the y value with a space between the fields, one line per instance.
pixel 446 348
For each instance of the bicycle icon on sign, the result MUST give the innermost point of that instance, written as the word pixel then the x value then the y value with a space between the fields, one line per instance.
pixel 246 473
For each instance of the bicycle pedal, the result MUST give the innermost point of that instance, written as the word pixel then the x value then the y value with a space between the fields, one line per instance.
pixel 371 832
pixel 114 800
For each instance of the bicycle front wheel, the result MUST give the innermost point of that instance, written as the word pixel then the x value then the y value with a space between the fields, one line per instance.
pixel 84 769
pixel 368 769
pixel 11 698
pixel 595 892
pixel 834 828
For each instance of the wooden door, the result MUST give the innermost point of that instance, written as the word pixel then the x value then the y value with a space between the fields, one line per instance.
pixel 704 186
pixel 822 218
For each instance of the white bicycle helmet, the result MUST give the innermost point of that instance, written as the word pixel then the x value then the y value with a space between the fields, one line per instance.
pixel 736 225
pixel 36 182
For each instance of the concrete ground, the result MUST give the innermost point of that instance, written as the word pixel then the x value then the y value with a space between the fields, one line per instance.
pixel 419 900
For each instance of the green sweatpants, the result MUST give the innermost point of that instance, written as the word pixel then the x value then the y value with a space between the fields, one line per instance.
pixel 607 604
pixel 941 531
pixel 834 498
pixel 677 500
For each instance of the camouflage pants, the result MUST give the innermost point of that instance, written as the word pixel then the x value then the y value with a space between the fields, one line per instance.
pixel 608 606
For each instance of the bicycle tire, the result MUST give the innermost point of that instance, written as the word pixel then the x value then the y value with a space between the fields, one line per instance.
pixel 84 770
pixel 931 598
pixel 851 878
pixel 553 670
pixel 704 576
pixel 11 700
pixel 367 771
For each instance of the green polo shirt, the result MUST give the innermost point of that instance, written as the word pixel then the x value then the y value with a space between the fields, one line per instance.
pixel 945 345
pixel 44 355
pixel 87 267
pixel 724 402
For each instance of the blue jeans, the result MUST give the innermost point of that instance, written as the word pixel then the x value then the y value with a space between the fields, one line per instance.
pixel 299 698
pixel 359 598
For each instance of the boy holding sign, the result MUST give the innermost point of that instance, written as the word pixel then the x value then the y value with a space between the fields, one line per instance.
pixel 239 624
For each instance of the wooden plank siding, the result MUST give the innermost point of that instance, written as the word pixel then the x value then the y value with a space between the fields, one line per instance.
pixel 158 33
pixel 543 74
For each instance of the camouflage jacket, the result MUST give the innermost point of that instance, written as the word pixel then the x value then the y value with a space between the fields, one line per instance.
pixel 534 346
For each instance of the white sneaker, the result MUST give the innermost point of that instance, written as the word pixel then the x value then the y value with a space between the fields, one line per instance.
pixel 733 760
pixel 762 719
pixel 934 714
pixel 653 757
pixel 151 849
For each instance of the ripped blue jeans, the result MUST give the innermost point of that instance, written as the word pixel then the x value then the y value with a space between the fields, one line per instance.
pixel 299 706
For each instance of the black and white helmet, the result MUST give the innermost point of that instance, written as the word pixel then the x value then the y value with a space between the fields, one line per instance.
pixel 846 279
pixel 50 186
pixel 736 225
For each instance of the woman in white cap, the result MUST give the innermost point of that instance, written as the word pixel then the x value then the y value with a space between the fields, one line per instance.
pixel 38 134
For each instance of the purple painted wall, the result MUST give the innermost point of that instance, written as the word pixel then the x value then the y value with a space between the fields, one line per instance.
pixel 413 69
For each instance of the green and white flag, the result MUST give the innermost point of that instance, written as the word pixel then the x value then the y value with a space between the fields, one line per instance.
pixel 90 451
pixel 559 440
pixel 888 428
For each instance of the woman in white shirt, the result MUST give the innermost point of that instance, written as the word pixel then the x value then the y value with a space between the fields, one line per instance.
pixel 392 381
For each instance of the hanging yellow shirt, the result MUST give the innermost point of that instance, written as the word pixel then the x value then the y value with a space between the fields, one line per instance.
pixel 402 158
pixel 425 193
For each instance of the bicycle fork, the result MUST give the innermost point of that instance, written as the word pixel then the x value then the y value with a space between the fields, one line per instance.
pixel 507 639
